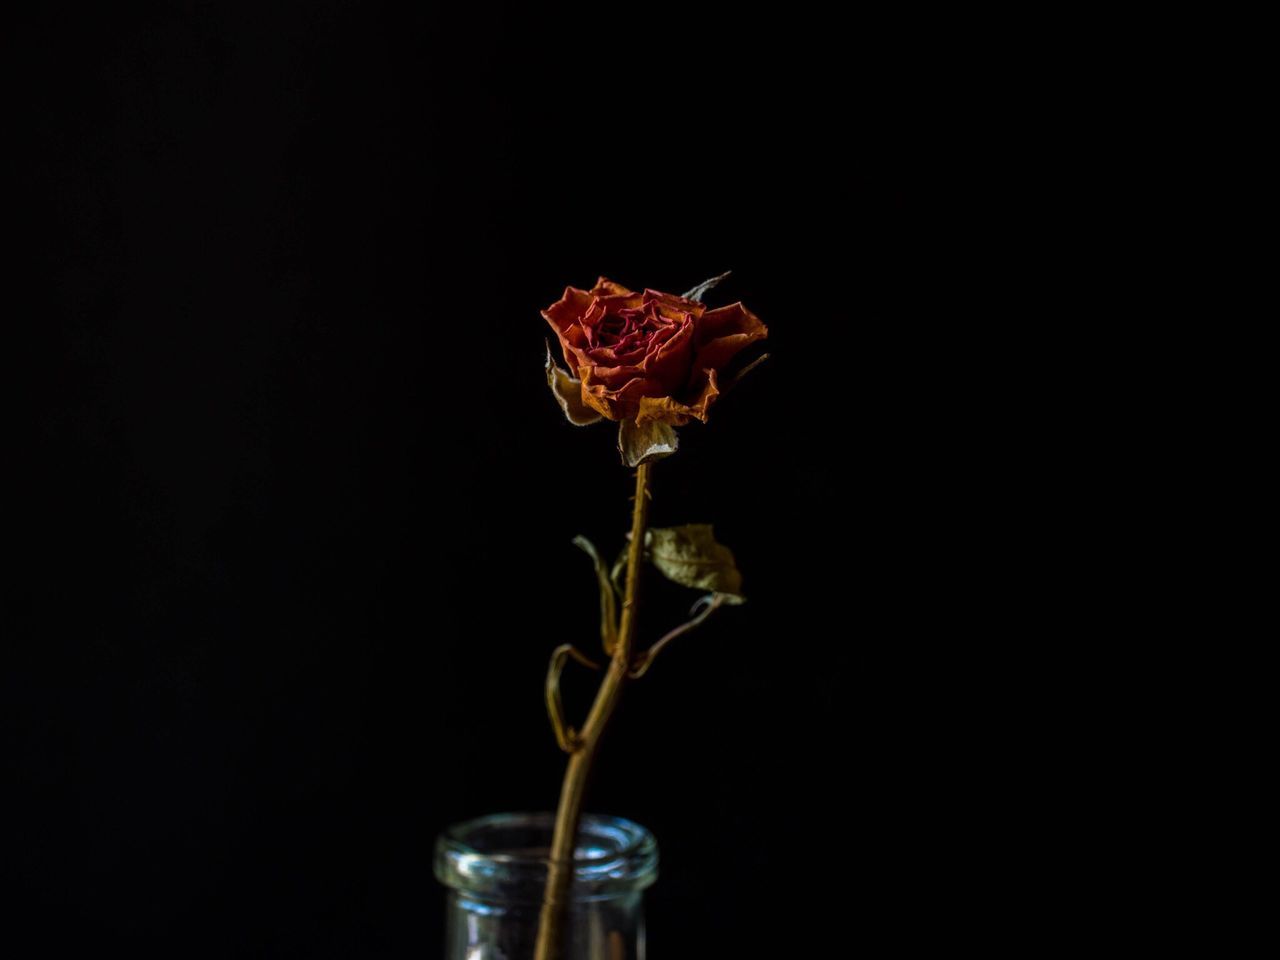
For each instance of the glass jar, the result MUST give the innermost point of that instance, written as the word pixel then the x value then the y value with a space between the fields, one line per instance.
pixel 495 869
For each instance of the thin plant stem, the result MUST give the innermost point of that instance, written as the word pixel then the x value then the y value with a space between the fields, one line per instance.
pixel 569 812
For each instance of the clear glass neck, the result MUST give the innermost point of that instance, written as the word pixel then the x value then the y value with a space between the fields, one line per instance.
pixel 495 869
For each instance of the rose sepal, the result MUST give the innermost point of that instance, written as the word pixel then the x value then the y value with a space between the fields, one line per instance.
pixel 568 393
pixel 646 442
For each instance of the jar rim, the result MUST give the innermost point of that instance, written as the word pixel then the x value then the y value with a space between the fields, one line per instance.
pixel 505 855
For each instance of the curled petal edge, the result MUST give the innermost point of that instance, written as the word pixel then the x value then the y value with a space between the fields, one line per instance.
pixel 671 411
pixel 607 288
pixel 568 393
pixel 644 443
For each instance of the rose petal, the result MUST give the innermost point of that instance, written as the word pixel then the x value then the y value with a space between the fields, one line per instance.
pixel 669 361
pixel 666 358
pixel 664 367
pixel 670 303
pixel 568 309
pixel 632 350
pixel 672 411
pixel 563 316
pixel 616 404
pixel 605 288
pixel 612 303
pixel 722 321
pixel 611 377
pixel 723 333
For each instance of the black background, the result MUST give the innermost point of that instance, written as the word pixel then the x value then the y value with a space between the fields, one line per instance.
pixel 295 507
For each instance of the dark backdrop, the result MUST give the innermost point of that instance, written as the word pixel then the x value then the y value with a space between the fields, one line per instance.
pixel 295 507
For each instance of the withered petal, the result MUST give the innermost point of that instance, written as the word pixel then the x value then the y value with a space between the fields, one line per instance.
pixel 563 316
pixel 618 403
pixel 672 411
pixel 725 332
pixel 717 354
pixel 568 309
pixel 597 400
pixel 674 303
pixel 607 288
pixel 668 363
pixel 663 367
pixel 733 319
pixel 626 300
pixel 611 378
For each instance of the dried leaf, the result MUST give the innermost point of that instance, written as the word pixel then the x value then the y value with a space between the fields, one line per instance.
pixel 652 440
pixel 568 393
pixel 608 600
pixel 690 556
pixel 697 293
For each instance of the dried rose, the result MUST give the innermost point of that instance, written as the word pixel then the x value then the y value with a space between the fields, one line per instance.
pixel 650 360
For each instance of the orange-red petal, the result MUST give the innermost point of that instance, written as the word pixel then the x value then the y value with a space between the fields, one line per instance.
pixel 618 403
pixel 723 333
pixel 563 316
pixel 672 411
pixel 607 288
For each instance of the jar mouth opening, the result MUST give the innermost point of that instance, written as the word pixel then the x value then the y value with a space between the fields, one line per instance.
pixel 506 855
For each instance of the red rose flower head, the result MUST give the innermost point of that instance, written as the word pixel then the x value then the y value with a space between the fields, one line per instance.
pixel 650 360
